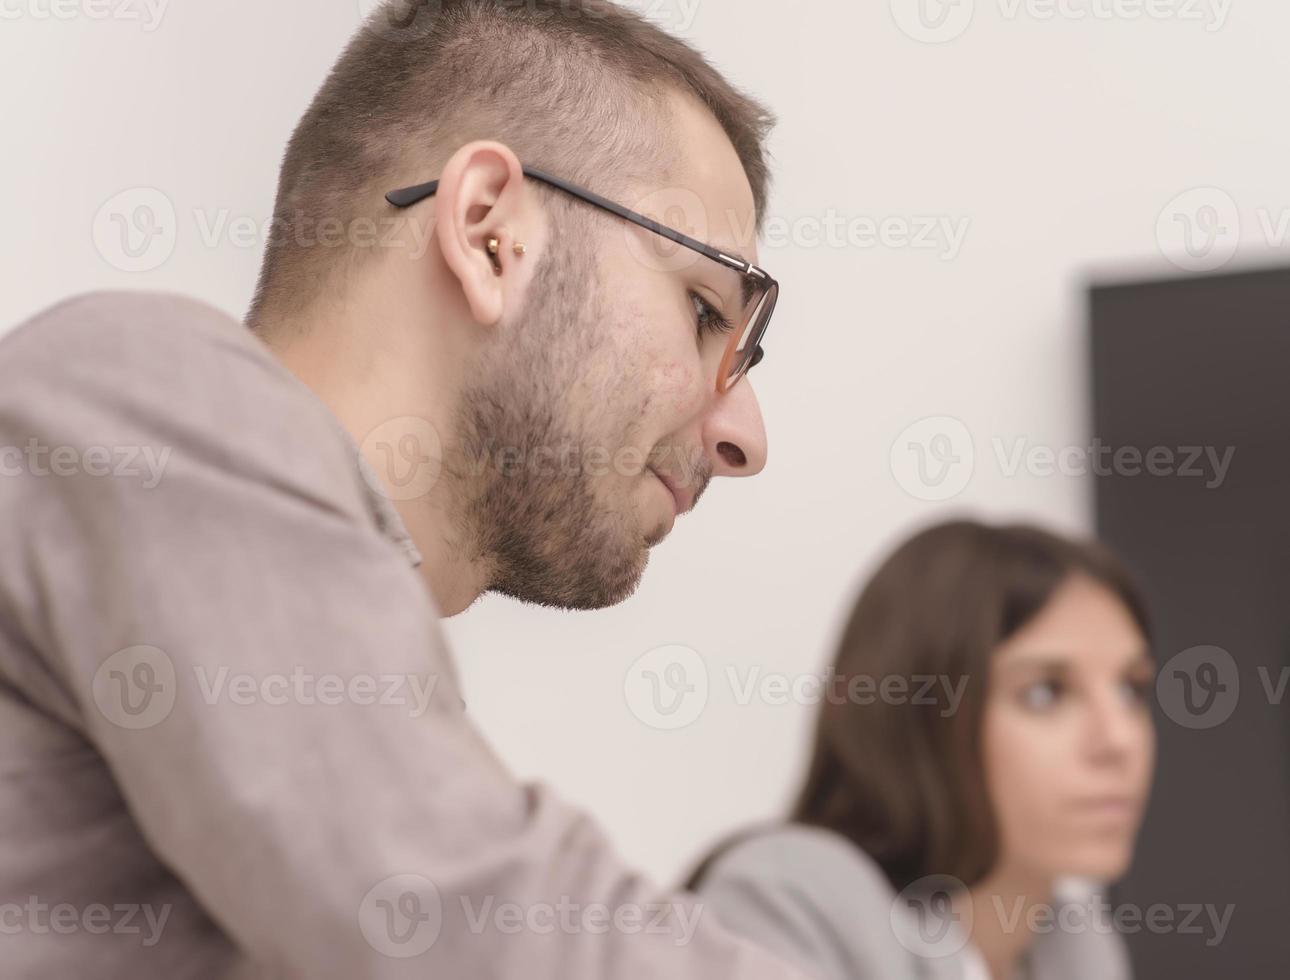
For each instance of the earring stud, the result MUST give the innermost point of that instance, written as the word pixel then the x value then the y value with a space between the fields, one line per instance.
pixel 519 248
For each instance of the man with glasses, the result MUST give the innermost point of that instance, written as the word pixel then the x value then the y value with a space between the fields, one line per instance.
pixel 707 309
pixel 479 359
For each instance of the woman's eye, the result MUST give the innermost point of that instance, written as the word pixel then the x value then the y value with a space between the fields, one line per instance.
pixel 1043 694
pixel 708 318
pixel 1136 690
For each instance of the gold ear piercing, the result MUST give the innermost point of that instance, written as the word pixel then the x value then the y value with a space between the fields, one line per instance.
pixel 493 245
pixel 519 248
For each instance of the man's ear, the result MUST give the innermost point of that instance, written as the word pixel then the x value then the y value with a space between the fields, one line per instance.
pixel 479 197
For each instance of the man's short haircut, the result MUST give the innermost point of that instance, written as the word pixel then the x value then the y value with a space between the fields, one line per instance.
pixel 574 87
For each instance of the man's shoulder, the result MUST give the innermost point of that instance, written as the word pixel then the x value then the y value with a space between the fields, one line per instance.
pixel 151 368
pixel 125 330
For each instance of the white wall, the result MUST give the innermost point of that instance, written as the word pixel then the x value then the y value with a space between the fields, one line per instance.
pixel 1062 143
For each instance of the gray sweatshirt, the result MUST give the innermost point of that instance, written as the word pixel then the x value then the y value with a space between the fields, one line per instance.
pixel 232 739
pixel 817 899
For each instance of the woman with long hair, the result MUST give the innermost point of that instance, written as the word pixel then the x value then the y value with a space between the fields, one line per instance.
pixel 978 774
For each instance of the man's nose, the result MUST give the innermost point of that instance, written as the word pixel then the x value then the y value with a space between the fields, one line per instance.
pixel 734 437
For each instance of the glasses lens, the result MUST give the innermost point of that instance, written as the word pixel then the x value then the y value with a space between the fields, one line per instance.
pixel 762 305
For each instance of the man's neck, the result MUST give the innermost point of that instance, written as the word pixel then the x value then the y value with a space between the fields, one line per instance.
pixel 376 397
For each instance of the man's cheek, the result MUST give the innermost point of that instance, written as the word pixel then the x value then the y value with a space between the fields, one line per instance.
pixel 676 389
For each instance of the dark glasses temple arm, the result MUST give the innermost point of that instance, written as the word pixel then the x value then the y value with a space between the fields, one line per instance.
pixel 411 195
pixel 407 196
pixel 638 219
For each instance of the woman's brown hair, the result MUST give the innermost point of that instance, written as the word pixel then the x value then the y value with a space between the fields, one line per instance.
pixel 903 779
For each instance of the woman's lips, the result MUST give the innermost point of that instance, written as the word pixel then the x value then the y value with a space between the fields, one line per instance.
pixel 1106 806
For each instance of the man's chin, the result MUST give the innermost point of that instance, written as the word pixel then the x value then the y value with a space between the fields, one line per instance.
pixel 590 588
pixel 657 536
pixel 617 585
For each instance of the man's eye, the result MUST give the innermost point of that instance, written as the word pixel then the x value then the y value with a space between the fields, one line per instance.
pixel 708 318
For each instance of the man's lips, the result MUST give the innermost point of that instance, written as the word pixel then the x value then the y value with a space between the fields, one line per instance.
pixel 682 499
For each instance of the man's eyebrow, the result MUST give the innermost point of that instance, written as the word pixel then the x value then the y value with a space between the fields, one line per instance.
pixel 732 255
pixel 746 281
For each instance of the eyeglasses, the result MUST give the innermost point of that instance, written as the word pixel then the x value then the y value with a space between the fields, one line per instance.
pixel 758 291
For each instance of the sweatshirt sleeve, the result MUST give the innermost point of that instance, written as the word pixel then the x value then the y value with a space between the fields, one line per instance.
pixel 264 674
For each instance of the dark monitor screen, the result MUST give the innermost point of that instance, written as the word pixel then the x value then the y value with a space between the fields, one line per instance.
pixel 1191 388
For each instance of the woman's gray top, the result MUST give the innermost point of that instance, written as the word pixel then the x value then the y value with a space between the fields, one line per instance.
pixel 816 899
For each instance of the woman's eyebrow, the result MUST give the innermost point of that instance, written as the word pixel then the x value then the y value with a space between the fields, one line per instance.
pixel 1036 662
pixel 1062 662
